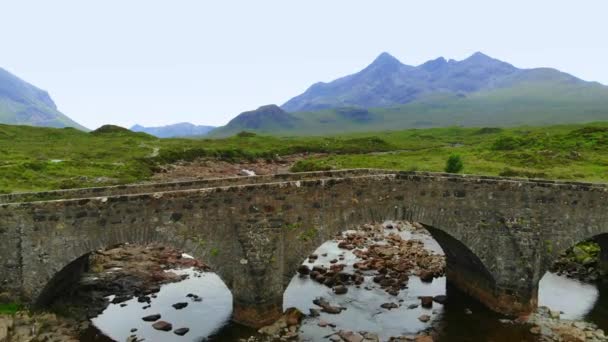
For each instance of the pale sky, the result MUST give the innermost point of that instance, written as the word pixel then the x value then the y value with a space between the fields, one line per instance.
pixel 160 62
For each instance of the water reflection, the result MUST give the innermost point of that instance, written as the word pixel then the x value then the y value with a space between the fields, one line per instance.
pixel 202 318
pixel 570 296
pixel 363 311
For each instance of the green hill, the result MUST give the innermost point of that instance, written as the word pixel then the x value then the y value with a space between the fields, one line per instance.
pixel 38 158
pixel 23 104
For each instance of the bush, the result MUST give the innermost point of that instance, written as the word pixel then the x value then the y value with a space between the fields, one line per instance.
pixel 506 143
pixel 489 130
pixel 245 134
pixel 454 164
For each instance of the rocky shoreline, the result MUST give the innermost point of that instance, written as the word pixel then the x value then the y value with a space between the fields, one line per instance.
pixel 547 325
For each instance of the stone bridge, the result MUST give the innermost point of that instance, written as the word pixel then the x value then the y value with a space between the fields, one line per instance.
pixel 500 235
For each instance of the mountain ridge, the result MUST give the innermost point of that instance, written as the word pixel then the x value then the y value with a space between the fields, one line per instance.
pixel 21 103
pixel 476 91
pixel 181 129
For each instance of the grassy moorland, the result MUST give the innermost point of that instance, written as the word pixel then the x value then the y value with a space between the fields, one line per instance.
pixel 34 158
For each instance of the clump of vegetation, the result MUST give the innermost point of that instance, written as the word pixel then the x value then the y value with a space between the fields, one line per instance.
pixel 245 134
pixel 585 252
pixel 308 166
pixel 10 308
pixel 454 164
pixel 506 143
pixel 489 130
pixel 308 235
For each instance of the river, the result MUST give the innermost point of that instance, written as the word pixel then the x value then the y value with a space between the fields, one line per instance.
pixel 460 319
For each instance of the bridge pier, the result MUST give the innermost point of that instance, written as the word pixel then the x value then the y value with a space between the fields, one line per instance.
pixel 505 301
pixel 510 292
pixel 257 314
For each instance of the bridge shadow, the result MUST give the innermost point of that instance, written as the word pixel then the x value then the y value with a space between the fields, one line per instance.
pixel 464 269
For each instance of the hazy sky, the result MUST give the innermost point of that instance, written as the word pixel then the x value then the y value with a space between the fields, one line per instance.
pixel 160 62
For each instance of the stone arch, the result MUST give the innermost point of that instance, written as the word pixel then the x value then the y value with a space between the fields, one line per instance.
pixel 466 267
pixel 74 261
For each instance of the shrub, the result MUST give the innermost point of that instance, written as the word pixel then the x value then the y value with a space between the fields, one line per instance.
pixel 489 130
pixel 245 134
pixel 506 143
pixel 454 164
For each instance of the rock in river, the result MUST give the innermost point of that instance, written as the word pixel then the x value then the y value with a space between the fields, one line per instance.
pixel 162 325
pixel 340 289
pixel 441 299
pixel 426 302
pixel 424 318
pixel 303 270
pixel 181 331
pixel 179 306
pixel 151 318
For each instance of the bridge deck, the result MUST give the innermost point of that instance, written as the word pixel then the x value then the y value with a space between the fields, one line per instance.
pixel 148 188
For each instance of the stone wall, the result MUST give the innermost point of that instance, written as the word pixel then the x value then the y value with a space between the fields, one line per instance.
pixel 131 189
pixel 500 235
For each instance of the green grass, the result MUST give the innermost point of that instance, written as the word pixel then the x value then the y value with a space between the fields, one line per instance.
pixel 34 158
pixel 569 152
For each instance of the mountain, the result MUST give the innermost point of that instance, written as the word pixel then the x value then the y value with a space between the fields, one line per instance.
pixel 477 91
pixel 23 104
pixel 184 129
pixel 387 82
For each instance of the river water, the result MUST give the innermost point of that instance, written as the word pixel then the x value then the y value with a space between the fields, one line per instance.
pixel 460 319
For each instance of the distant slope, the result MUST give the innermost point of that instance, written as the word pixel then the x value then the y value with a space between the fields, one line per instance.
pixel 23 104
pixel 184 129
pixel 266 119
pixel 478 91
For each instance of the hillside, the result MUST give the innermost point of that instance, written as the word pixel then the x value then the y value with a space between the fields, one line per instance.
pixel 478 91
pixel 36 158
pixel 23 104
pixel 183 129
